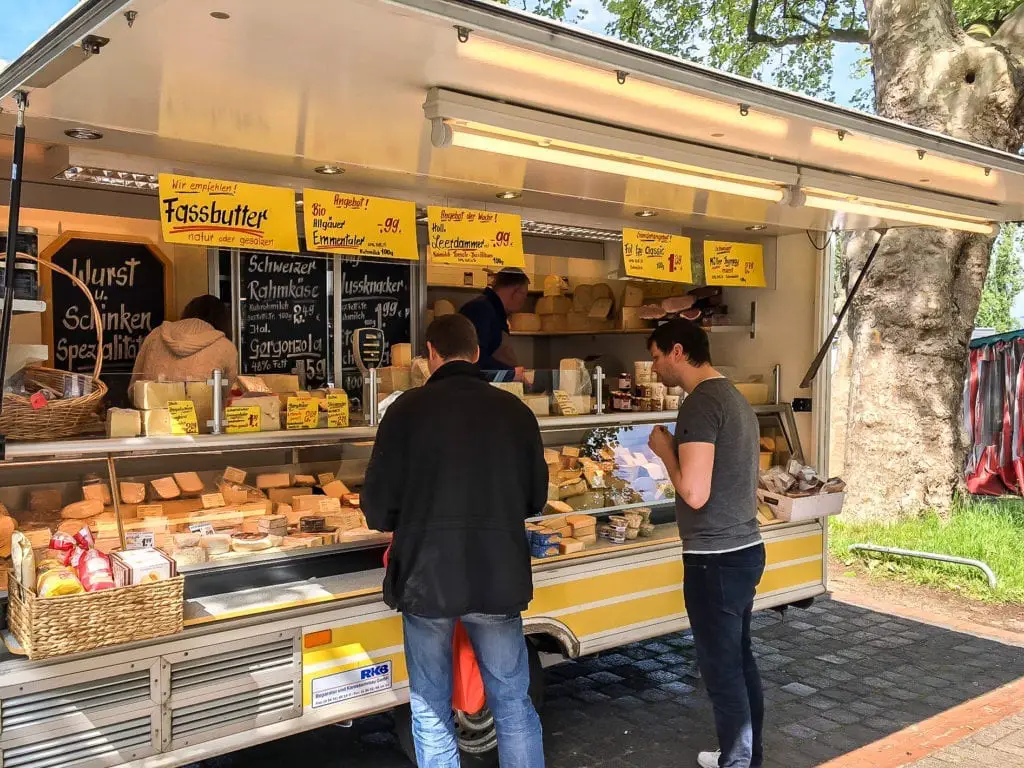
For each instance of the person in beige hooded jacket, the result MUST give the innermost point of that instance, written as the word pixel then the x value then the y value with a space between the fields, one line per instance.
pixel 190 348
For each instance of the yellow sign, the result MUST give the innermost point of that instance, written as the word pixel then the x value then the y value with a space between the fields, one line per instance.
pixel 183 417
pixel 227 214
pixel 243 418
pixel 336 222
pixel 337 409
pixel 656 256
pixel 303 413
pixel 474 238
pixel 735 264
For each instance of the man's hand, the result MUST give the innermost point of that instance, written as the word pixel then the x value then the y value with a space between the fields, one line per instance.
pixel 662 443
pixel 519 373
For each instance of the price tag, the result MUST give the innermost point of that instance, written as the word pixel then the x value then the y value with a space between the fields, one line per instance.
pixel 474 238
pixel 243 418
pixel 735 264
pixel 140 539
pixel 203 529
pixel 150 510
pixel 564 404
pixel 233 475
pixel 183 417
pixel 37 401
pixel 213 500
pixel 337 410
pixel 303 413
pixel 324 478
pixel 656 255
pixel 357 225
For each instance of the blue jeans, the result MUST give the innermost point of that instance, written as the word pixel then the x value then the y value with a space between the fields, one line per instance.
pixel 719 593
pixel 504 665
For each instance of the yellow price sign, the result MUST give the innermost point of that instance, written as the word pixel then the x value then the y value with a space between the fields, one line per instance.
pixel 474 238
pixel 337 410
pixel 656 256
pixel 303 413
pixel 243 418
pixel 227 214
pixel 734 264
pixel 183 417
pixel 358 225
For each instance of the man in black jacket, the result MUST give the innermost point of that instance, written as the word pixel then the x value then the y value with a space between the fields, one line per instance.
pixel 457 466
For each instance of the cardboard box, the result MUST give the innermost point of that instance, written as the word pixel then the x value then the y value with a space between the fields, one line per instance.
pixel 793 509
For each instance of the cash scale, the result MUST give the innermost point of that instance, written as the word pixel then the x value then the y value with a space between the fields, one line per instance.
pixel 368 351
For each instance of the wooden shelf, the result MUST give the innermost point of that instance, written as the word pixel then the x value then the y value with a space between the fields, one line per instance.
pixel 616 332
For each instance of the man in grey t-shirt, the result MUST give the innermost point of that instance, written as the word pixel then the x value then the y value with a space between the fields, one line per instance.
pixel 713 462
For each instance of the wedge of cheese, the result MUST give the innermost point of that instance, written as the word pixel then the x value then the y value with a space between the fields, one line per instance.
pixel 270 410
pixel 280 383
pixel 156 422
pixel 148 395
pixel 132 493
pixel 166 488
pixel 201 395
pixel 336 489
pixel 189 482
pixel 123 422
pixel 273 480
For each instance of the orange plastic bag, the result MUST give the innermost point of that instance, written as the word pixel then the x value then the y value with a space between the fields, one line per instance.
pixel 468 693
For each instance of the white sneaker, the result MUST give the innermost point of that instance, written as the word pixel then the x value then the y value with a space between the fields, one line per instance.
pixel 708 759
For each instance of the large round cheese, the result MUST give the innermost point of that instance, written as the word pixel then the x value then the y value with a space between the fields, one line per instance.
pixel 524 322
pixel 250 542
pixel 443 307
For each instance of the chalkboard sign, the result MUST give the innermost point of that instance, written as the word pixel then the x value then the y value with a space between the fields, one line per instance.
pixel 377 295
pixel 285 314
pixel 131 284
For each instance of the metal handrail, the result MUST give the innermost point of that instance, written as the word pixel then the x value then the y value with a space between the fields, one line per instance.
pixel 929 556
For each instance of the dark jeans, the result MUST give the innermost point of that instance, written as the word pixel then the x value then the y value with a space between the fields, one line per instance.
pixel 719 593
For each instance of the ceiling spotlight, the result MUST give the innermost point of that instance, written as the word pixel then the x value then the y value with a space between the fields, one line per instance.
pixel 646 214
pixel 85 134
pixel 510 195
pixel 329 170
pixel 757 227
pixel 220 15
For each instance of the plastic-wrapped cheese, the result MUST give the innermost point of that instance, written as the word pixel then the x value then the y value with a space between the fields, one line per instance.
pixel 524 322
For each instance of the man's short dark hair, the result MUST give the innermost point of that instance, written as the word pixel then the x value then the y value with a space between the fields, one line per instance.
pixel 510 277
pixel 453 336
pixel 690 336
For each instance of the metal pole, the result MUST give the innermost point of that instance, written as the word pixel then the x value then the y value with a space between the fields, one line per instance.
pixel 373 411
pixel 599 388
pixel 12 234
pixel 216 424
pixel 929 556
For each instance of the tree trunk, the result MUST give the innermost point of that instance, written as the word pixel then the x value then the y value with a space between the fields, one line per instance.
pixel 910 325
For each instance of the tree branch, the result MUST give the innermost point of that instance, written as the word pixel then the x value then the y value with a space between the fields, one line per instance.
pixel 821 32
pixel 1011 34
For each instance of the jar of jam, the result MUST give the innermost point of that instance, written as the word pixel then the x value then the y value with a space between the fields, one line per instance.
pixel 622 401
pixel 625 382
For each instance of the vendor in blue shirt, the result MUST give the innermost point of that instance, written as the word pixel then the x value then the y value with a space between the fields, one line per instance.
pixel 489 314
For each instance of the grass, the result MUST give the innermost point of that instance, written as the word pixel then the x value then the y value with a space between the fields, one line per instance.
pixel 988 530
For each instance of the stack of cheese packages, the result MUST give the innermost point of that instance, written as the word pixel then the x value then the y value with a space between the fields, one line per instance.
pixel 151 415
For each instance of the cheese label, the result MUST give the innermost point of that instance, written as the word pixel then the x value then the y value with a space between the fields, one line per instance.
pixel 150 510
pixel 357 225
pixel 303 413
pixel 140 539
pixel 184 420
pixel 213 500
pixel 734 264
pixel 233 475
pixel 337 410
pixel 656 256
pixel 325 478
pixel 474 238
pixel 243 418
pixel 564 404
pixel 204 529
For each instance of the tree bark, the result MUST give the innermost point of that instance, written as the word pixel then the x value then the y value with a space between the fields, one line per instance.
pixel 910 326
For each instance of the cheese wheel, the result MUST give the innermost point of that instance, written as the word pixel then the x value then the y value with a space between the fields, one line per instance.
pixel 582 298
pixel 552 285
pixel 553 305
pixel 443 307
pixel 578 321
pixel 250 542
pixel 524 322
pixel 401 355
pixel 80 510
pixel 554 323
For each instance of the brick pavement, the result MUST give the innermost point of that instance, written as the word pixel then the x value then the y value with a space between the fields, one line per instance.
pixel 837 677
pixel 998 746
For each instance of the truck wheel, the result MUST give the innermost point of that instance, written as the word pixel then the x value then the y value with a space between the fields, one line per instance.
pixel 478 738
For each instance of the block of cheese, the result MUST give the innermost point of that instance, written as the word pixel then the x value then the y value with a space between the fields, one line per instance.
pixel 166 488
pixel 156 422
pixel 45 500
pixel 270 410
pixel 346 520
pixel 273 480
pixel 148 395
pixel 755 393
pixel 553 305
pixel 189 482
pixel 552 285
pixel 280 383
pixel 304 480
pixel 82 510
pixel 123 422
pixel 560 507
pixel 38 537
pixel 512 387
pixel 573 378
pixel 336 489
pixel 552 456
pixel 401 355
pixel 420 372
pixel 98 491
pixel 286 495
pixel 600 309
pixel 524 322
pixel 201 395
pixel 582 298
pixel 395 379
pixel 632 296
pixel 539 404
pixel 443 307
pixel 317 505
pixel 603 291
pixel 567 546
pixel 254 384
pixel 554 323
pixel 632 321
pixel 577 321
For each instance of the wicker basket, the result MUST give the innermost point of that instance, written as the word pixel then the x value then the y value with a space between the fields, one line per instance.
pixel 55 626
pixel 65 417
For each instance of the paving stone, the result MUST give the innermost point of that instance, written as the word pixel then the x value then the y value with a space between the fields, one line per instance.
pixel 799 731
pixel 799 689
